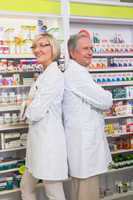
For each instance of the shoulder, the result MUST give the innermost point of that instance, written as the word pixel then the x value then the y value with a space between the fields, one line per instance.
pixel 52 72
pixel 75 71
pixel 54 68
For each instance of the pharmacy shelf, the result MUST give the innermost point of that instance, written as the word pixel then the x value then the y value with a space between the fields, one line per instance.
pixel 118 195
pixel 121 151
pixel 119 170
pixel 16 190
pixel 9 127
pixel 15 86
pixel 123 99
pixel 112 55
pixel 100 20
pixel 112 69
pixel 116 83
pixel 9 170
pixel 7 107
pixel 4 192
pixel 10 104
pixel 15 56
pixel 13 149
pixel 112 197
pixel 119 134
pixel 118 117
pixel 21 72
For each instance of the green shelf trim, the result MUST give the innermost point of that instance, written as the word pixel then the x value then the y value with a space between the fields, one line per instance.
pixel 31 6
pixel 78 9
pixel 92 10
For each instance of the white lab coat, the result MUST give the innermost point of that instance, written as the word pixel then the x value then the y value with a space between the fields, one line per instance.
pixel 84 102
pixel 46 156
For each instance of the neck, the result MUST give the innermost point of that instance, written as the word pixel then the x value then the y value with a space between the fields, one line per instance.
pixel 46 64
pixel 82 64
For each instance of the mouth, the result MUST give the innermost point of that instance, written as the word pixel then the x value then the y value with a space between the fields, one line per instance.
pixel 39 56
pixel 89 57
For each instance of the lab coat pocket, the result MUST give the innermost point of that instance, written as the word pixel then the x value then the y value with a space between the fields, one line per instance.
pixel 45 119
pixel 89 137
pixel 93 136
pixel 43 123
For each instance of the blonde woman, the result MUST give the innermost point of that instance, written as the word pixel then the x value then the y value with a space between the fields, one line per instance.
pixel 46 156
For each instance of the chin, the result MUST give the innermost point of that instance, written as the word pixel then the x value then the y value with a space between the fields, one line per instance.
pixel 88 63
pixel 39 61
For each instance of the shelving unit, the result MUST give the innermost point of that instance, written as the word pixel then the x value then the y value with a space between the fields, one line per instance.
pixel 119 170
pixel 13 126
pixel 115 138
pixel 123 99
pixel 7 107
pixel 5 192
pixel 16 75
pixel 14 86
pixel 13 149
pixel 16 56
pixel 119 134
pixel 8 171
pixel 121 151
pixel 114 84
pixel 118 196
pixel 16 190
pixel 118 117
pixel 112 69
pixel 125 55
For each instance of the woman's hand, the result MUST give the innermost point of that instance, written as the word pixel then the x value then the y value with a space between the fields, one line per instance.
pixel 23 108
pixel 28 101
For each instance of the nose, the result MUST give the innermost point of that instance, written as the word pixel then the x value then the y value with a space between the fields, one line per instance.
pixel 91 49
pixel 90 52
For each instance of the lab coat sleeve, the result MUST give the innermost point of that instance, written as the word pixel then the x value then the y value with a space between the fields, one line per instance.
pixel 85 88
pixel 45 94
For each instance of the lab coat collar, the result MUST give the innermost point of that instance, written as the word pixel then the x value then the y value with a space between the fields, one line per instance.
pixel 53 64
pixel 73 63
pixel 49 68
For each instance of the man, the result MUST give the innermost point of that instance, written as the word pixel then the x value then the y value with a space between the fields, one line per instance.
pixel 83 106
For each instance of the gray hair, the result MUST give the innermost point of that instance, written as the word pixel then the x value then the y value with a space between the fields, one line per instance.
pixel 72 42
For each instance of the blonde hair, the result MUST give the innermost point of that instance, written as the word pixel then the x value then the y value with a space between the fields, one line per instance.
pixel 53 43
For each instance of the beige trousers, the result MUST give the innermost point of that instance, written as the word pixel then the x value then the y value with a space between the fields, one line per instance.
pixel 85 189
pixel 54 189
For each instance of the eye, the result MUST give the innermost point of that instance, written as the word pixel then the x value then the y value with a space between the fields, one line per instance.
pixel 44 45
pixel 33 47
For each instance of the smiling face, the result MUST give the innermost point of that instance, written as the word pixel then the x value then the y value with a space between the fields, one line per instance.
pixel 83 51
pixel 42 50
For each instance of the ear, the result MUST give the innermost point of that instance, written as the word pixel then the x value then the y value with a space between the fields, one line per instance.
pixel 72 53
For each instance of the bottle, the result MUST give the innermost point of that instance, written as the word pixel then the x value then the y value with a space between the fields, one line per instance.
pixel 12 97
pixel 7 118
pixel 4 97
pixel 14 118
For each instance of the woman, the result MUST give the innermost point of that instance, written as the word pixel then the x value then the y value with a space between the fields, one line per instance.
pixel 46 156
